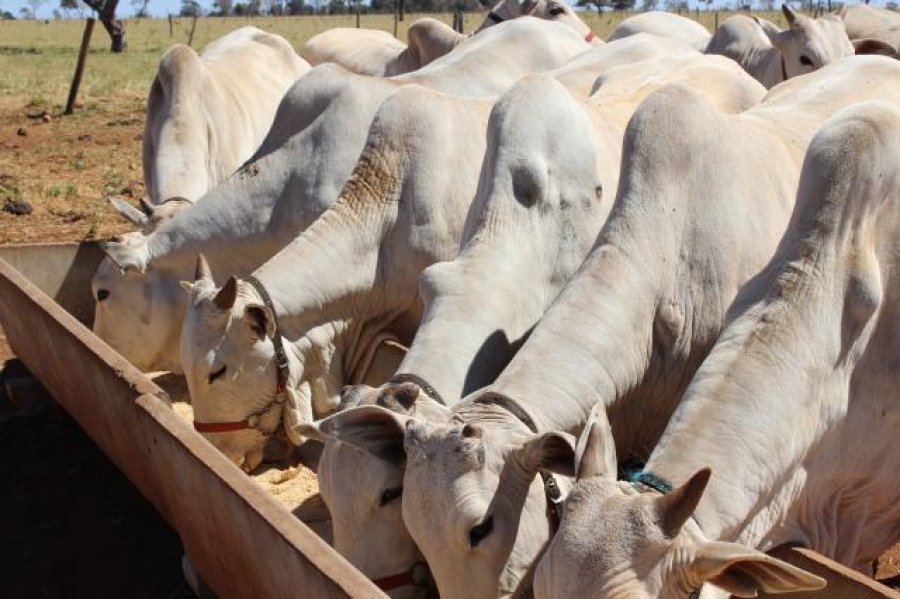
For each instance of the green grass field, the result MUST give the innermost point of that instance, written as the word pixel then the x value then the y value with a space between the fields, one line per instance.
pixel 68 168
pixel 37 58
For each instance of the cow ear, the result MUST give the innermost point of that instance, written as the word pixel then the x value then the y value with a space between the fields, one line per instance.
pixel 873 46
pixel 596 450
pixel 550 452
pixel 371 429
pixel 131 213
pixel 770 29
pixel 744 572
pixel 259 321
pixel 679 505
pixel 789 14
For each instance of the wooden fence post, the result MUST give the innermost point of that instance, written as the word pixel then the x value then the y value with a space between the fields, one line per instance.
pixel 395 24
pixel 79 66
pixel 191 35
pixel 357 14
pixel 171 31
pixel 717 20
pixel 401 10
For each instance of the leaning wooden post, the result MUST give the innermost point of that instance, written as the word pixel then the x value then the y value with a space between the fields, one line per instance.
pixel 193 27
pixel 171 31
pixel 79 67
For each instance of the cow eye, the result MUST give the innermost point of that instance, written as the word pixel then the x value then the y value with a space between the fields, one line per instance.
pixel 479 532
pixel 557 10
pixel 102 294
pixel 804 60
pixel 214 375
pixel 390 495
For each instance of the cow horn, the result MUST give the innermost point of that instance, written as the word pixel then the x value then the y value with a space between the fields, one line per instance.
pixel 226 297
pixel 789 14
pixel 202 272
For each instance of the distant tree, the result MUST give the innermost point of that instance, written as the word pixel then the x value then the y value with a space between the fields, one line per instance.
pixel 189 8
pixel 140 8
pixel 892 5
pixel 25 13
pixel 296 7
pixel 676 5
pixel 106 12
pixel 222 8
pixel 5 15
pixel 768 5
pixel 240 9
pixel 336 7
pixel 598 4
pixel 650 5
pixel 68 5
pixel 253 8
pixel 35 5
pixel 56 14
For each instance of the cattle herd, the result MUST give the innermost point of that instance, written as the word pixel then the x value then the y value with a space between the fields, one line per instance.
pixel 576 317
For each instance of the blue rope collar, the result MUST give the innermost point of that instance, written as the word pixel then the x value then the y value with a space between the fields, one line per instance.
pixel 652 481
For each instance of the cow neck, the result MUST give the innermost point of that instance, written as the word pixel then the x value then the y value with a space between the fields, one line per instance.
pixel 785 356
pixel 237 211
pixel 327 286
pixel 484 332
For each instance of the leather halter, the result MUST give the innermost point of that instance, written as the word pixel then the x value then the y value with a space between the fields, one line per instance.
pixel 418 575
pixel 552 492
pixel 419 382
pixel 282 372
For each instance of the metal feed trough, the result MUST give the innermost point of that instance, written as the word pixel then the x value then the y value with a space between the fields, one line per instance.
pixel 240 539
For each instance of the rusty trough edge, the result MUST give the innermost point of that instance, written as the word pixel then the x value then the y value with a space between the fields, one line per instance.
pixel 242 541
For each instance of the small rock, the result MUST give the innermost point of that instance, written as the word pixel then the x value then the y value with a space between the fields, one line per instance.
pixel 46 118
pixel 17 207
pixel 21 132
pixel 84 137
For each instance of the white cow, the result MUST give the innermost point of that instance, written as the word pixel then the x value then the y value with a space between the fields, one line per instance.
pixel 320 130
pixel 545 181
pixel 551 10
pixel 663 24
pixel 692 222
pixel 772 55
pixel 378 53
pixel 874 28
pixel 207 114
pixel 795 410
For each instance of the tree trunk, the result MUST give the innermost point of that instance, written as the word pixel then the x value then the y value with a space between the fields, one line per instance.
pixel 106 11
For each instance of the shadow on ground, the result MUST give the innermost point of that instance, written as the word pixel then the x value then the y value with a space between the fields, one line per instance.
pixel 71 523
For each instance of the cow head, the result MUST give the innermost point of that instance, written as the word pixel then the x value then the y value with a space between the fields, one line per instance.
pixel 808 44
pixel 228 358
pixel 472 500
pixel 363 490
pixel 615 541
pixel 550 10
pixel 138 307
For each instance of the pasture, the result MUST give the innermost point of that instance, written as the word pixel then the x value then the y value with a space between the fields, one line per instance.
pixel 68 167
